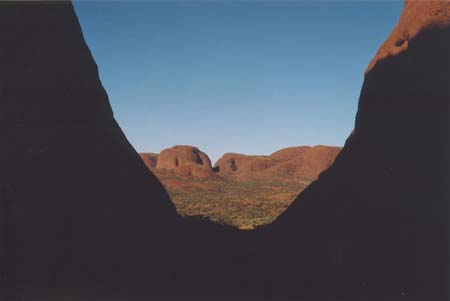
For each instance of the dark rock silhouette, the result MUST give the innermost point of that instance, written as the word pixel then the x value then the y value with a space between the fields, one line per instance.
pixel 81 216
pixel 73 224
pixel 376 222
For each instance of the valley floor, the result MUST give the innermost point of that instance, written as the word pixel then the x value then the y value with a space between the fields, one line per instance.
pixel 243 204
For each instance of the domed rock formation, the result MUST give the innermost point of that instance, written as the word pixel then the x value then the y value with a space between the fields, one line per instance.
pixel 243 166
pixel 289 153
pixel 376 222
pixel 304 161
pixel 301 161
pixel 185 160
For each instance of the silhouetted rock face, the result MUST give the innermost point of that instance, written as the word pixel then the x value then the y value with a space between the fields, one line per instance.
pixel 376 222
pixel 44 81
pixel 70 220
pixel 80 214
pixel 185 160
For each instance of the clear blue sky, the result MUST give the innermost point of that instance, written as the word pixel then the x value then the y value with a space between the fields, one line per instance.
pixel 244 76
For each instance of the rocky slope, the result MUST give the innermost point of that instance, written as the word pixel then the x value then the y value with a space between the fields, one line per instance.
pixel 81 216
pixel 376 222
pixel 70 221
pixel 374 225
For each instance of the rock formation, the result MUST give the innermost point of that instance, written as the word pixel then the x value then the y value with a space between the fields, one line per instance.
pixel 81 216
pixel 301 161
pixel 243 166
pixel 186 161
pixel 70 221
pixel 72 224
pixel 304 161
pixel 376 222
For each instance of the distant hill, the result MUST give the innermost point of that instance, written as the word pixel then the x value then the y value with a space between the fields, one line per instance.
pixel 301 161
pixel 241 190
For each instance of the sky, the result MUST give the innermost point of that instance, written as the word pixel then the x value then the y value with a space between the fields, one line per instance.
pixel 249 77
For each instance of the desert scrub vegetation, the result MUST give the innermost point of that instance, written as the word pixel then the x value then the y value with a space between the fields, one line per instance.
pixel 242 204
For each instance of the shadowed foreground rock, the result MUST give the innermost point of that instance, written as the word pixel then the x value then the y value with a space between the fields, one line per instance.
pixel 73 224
pixel 71 221
pixel 80 213
pixel 376 222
